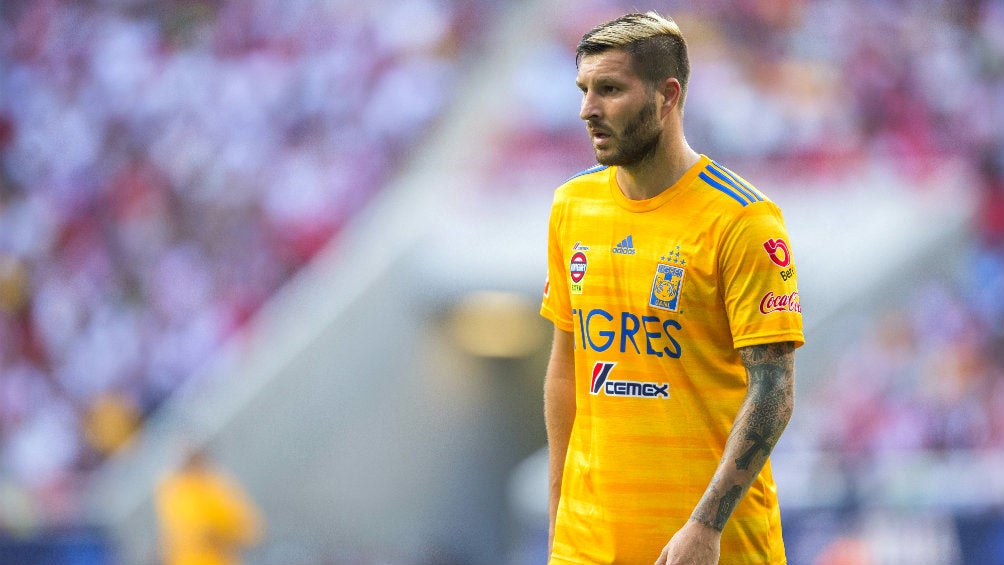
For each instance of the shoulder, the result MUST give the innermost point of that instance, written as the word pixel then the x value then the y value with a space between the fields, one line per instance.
pixel 594 176
pixel 737 210
pixel 590 185
pixel 590 171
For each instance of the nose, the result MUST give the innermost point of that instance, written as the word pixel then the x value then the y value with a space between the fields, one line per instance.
pixel 589 109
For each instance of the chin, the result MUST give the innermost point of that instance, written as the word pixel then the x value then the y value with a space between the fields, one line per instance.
pixel 606 157
pixel 610 160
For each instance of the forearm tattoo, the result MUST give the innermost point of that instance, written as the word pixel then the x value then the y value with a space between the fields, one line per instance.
pixel 716 506
pixel 759 444
pixel 762 417
pixel 769 402
pixel 727 504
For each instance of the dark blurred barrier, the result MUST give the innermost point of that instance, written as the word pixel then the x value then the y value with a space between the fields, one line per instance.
pixel 895 536
pixel 65 547
pixel 981 537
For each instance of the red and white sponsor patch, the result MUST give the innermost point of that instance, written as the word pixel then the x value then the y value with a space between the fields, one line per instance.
pixel 771 303
pixel 778 252
pixel 577 267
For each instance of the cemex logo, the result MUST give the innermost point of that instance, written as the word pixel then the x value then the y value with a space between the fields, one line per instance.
pixel 602 382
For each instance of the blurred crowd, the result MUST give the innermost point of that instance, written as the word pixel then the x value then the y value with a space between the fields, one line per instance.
pixel 164 167
pixel 927 370
pixel 797 88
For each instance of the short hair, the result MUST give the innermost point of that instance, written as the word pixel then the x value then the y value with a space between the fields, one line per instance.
pixel 654 43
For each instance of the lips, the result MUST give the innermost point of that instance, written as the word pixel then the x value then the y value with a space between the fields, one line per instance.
pixel 599 135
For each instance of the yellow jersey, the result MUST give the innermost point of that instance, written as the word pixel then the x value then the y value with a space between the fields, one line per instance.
pixel 659 294
pixel 205 519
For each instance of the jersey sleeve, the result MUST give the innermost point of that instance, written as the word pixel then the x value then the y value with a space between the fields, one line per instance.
pixel 760 280
pixel 556 303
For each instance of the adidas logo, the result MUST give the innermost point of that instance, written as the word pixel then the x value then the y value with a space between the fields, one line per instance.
pixel 625 247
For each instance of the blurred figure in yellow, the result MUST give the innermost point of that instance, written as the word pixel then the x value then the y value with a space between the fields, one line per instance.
pixel 205 516
pixel 110 423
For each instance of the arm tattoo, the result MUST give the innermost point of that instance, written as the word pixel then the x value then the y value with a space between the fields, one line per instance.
pixel 726 505
pixel 769 401
pixel 722 505
pixel 759 444
pixel 761 419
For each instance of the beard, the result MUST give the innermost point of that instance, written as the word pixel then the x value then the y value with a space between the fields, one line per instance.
pixel 637 141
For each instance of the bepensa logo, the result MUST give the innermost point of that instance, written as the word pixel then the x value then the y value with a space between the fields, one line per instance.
pixel 778 252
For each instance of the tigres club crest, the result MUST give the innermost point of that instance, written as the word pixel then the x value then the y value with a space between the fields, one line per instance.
pixel 666 287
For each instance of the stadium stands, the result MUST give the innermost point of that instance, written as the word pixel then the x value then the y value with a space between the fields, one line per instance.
pixel 166 167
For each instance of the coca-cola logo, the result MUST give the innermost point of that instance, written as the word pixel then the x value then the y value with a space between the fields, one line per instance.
pixel 780 303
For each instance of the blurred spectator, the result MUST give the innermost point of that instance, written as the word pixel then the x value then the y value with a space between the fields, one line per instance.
pixel 990 219
pixel 205 517
pixel 110 423
pixel 844 551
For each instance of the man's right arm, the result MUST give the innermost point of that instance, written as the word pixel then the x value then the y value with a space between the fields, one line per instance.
pixel 559 414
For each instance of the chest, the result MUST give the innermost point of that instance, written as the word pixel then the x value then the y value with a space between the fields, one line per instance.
pixel 642 261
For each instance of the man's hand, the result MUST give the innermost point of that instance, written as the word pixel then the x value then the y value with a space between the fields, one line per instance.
pixel 694 544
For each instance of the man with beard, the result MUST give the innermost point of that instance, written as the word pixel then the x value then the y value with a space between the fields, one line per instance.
pixel 674 296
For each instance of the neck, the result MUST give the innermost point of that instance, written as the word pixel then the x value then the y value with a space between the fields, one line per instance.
pixel 649 178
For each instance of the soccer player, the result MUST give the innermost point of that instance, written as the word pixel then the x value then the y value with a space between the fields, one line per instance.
pixel 205 517
pixel 673 292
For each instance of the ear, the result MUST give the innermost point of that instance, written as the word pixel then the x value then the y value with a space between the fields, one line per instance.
pixel 670 91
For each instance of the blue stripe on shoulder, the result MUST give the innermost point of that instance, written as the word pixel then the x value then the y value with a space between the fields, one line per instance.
pixel 590 170
pixel 749 188
pixel 729 178
pixel 743 201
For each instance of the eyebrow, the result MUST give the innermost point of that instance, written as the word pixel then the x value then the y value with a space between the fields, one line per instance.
pixel 604 79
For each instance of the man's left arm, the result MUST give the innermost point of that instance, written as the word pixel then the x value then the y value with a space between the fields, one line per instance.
pixel 770 399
